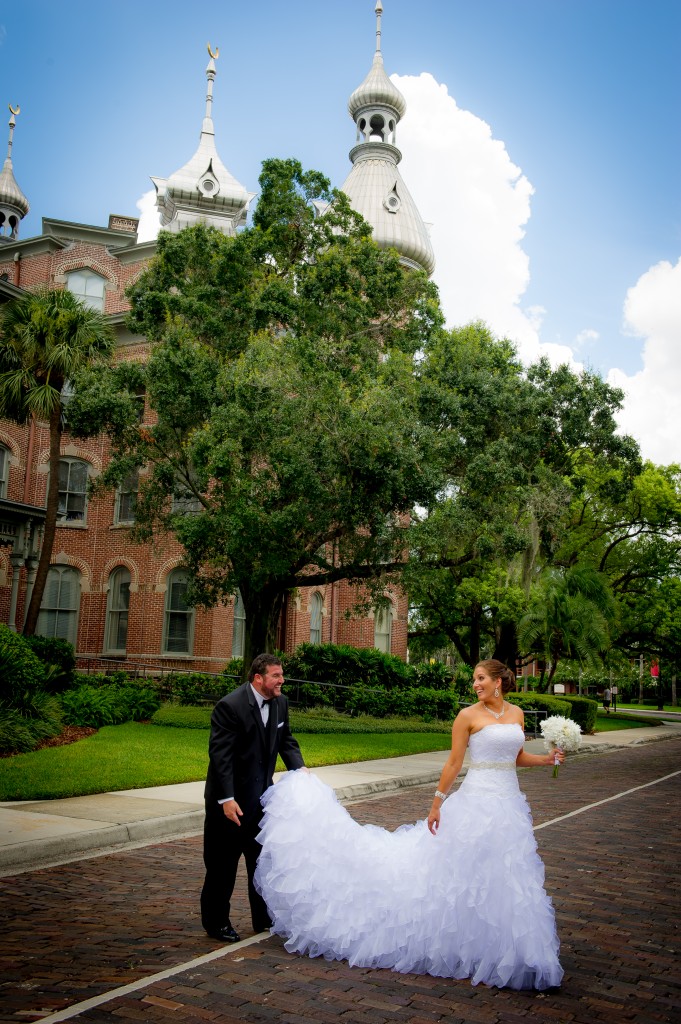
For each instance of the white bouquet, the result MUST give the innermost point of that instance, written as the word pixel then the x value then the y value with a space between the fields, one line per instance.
pixel 562 734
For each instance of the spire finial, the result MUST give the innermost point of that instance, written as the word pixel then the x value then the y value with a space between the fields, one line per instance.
pixel 210 74
pixel 379 12
pixel 12 122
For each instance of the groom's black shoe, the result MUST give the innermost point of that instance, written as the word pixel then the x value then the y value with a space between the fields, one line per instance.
pixel 225 934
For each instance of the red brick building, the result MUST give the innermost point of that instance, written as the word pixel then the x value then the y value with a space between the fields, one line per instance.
pixel 112 598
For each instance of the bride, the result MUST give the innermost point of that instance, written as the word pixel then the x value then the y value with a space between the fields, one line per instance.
pixel 459 895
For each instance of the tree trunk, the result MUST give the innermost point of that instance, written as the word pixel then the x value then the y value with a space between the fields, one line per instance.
pixel 474 640
pixel 263 609
pixel 506 649
pixel 552 672
pixel 460 646
pixel 542 675
pixel 50 527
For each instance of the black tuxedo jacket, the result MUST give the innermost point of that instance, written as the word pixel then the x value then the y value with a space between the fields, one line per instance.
pixel 243 753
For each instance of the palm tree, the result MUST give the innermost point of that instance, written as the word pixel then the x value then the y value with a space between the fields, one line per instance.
pixel 569 618
pixel 46 337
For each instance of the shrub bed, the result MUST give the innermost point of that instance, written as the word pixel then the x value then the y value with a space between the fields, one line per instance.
pixel 97 705
pixel 60 658
pixel 27 713
pixel 197 688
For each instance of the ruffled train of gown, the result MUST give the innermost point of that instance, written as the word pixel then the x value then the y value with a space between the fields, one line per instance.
pixel 466 903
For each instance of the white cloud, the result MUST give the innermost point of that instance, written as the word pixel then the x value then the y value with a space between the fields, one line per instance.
pixel 150 224
pixel 478 203
pixel 652 310
pixel 586 336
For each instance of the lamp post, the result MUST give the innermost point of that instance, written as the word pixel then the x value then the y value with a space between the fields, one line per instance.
pixel 655 673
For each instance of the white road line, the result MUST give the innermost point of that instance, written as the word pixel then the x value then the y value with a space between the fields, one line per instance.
pixel 171 972
pixel 599 803
pixel 135 986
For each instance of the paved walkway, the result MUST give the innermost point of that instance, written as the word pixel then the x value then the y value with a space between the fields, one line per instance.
pixel 117 937
pixel 37 833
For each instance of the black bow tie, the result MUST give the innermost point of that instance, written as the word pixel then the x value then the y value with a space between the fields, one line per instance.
pixel 267 702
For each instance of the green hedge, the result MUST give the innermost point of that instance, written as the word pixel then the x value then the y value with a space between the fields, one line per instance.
pixel 321 721
pixel 347 666
pixel 318 721
pixel 583 711
pixel 420 701
pixel 540 702
pixel 182 717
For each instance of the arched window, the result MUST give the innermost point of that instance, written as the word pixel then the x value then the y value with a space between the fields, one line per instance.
pixel 72 491
pixel 126 499
pixel 316 606
pixel 117 611
pixel 4 471
pixel 58 614
pixel 88 286
pixel 383 628
pixel 178 626
pixel 239 627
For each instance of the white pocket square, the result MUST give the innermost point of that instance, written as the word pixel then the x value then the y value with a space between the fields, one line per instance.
pixel 280 726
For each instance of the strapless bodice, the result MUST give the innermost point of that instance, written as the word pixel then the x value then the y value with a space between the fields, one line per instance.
pixel 496 745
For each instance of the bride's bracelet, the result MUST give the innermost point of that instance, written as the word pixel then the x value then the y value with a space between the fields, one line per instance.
pixel 440 794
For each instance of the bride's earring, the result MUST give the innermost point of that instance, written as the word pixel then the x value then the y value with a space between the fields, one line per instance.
pixel 496 692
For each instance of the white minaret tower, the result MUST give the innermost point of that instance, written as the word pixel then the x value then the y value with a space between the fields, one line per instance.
pixel 203 191
pixel 374 186
pixel 13 203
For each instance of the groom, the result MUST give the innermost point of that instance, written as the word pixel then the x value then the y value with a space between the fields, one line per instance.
pixel 249 727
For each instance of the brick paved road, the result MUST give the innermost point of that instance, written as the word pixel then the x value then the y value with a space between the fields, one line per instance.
pixel 72 932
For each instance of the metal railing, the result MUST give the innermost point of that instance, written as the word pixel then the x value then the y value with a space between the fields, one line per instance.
pixel 98 663
pixel 166 672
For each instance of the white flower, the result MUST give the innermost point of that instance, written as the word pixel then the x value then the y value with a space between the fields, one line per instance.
pixel 561 732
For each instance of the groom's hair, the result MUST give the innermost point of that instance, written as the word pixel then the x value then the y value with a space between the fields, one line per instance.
pixel 497 670
pixel 260 665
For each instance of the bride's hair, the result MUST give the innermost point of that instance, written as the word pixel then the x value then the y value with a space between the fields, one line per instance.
pixel 497 670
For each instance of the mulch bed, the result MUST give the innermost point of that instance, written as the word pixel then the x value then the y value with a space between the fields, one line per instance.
pixel 69 734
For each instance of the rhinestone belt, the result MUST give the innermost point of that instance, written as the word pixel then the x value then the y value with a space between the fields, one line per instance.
pixel 506 766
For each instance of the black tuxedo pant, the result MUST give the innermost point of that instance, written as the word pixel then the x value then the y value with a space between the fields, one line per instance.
pixel 224 844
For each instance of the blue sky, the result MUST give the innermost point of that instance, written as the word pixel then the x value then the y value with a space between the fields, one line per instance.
pixel 541 141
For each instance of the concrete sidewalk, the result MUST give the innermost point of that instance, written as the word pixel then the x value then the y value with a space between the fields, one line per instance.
pixel 40 833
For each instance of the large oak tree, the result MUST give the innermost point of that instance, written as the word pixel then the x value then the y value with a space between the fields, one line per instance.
pixel 286 420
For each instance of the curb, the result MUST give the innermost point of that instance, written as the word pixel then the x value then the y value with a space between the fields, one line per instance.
pixel 44 853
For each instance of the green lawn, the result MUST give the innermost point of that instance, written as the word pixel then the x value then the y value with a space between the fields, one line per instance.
pixel 615 721
pixel 134 756
pixel 648 707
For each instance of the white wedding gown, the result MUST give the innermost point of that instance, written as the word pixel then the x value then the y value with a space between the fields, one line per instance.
pixel 468 902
